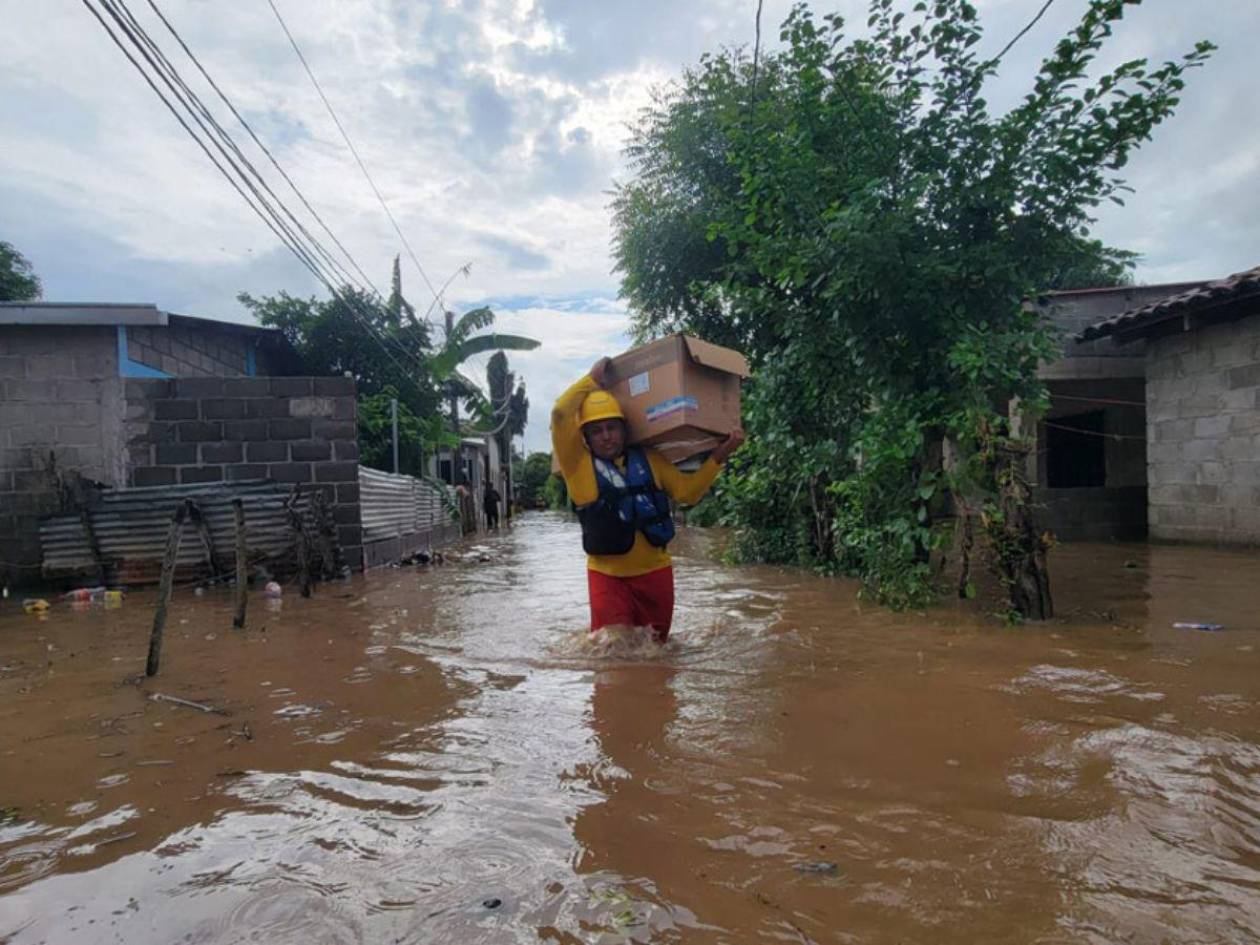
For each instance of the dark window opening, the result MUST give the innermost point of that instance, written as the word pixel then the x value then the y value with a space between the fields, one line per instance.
pixel 1076 451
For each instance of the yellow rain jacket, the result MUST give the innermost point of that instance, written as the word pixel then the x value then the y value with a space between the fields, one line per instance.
pixel 574 458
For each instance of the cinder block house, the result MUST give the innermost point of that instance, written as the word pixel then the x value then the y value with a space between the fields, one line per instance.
pixel 131 396
pixel 1201 352
pixel 1089 465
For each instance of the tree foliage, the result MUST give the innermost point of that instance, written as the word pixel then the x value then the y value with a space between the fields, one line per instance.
pixel 18 282
pixel 396 304
pixel 354 334
pixel 853 217
pixel 389 356
pixel 531 480
pixel 509 405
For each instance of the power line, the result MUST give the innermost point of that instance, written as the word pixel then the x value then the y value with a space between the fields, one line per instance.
pixel 262 208
pixel 219 137
pixel 1020 35
pixel 226 101
pixel 340 272
pixel 353 150
pixel 178 117
pixel 296 241
pixel 302 251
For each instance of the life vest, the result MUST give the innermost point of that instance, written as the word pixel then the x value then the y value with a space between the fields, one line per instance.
pixel 628 502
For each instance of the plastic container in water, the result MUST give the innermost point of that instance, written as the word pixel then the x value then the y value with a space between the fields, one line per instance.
pixel 272 590
pixel 85 593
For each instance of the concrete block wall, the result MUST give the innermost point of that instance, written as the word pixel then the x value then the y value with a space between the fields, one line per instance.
pixel 190 351
pixel 61 410
pixel 299 430
pixel 1203 433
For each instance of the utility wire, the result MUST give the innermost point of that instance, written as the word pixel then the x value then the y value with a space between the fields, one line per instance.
pixel 218 136
pixel 341 274
pixel 268 215
pixel 223 142
pixel 1109 436
pixel 353 150
pixel 1020 35
pixel 180 118
pixel 226 101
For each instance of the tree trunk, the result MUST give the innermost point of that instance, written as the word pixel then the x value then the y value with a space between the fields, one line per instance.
pixel 1021 551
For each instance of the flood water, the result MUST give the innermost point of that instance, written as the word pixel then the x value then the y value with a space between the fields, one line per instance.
pixel 432 755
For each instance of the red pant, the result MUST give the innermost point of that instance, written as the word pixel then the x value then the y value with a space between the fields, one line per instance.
pixel 643 601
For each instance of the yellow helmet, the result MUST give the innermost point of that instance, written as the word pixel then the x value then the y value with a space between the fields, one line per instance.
pixel 600 405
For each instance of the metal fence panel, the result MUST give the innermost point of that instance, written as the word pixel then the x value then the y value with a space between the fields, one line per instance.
pixel 394 506
pixel 131 527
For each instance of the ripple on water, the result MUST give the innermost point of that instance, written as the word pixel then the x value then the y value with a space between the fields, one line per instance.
pixel 1184 838
pixel 1086 686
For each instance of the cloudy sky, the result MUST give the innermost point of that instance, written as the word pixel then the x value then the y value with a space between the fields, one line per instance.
pixel 494 130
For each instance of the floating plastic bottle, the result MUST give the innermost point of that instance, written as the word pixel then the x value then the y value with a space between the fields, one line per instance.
pixel 35 605
pixel 272 590
pixel 1199 626
pixel 85 593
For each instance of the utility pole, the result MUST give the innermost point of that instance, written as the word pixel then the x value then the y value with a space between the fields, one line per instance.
pixel 393 419
pixel 507 511
pixel 454 405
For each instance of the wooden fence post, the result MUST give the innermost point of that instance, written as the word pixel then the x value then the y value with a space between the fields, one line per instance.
pixel 238 512
pixel 298 527
pixel 164 588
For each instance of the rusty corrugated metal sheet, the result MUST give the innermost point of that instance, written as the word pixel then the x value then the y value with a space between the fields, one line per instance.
pixel 393 506
pixel 1239 285
pixel 131 528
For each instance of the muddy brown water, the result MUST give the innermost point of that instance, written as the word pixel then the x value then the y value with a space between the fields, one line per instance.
pixel 437 755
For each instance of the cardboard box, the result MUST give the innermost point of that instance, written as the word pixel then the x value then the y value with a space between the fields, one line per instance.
pixel 680 394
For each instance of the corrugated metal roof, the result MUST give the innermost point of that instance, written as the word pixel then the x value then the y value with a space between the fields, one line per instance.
pixel 1239 285
pixel 131 527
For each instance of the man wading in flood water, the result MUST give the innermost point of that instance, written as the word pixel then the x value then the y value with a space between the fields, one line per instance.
pixel 622 497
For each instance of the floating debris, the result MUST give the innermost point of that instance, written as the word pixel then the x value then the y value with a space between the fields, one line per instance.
pixel 818 868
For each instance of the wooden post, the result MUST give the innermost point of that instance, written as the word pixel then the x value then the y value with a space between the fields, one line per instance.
pixel 85 519
pixel 298 527
pixel 164 588
pixel 304 562
pixel 238 512
pixel 325 536
pixel 207 540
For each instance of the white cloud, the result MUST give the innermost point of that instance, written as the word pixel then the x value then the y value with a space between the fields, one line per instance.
pixel 494 128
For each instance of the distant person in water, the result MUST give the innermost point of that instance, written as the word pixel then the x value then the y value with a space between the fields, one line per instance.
pixel 490 504
pixel 622 496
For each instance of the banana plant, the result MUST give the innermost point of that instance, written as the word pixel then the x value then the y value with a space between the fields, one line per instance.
pixel 461 344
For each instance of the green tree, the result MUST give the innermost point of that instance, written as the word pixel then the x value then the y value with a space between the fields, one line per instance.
pixel 396 304
pixel 354 334
pixel 509 408
pixel 532 479
pixel 851 215
pixel 460 344
pixel 555 493
pixel 18 282
pixel 390 357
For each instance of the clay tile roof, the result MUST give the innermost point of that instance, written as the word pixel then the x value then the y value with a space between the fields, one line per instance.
pixel 1239 285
